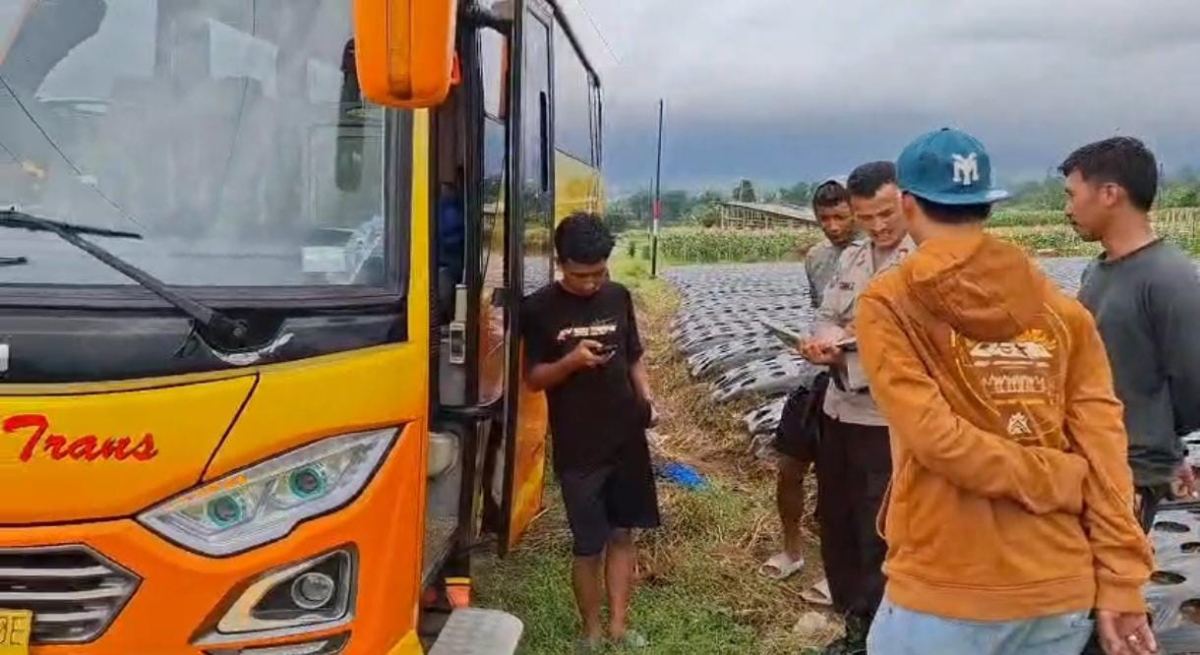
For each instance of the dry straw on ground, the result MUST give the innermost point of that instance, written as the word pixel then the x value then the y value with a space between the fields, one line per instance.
pixel 711 438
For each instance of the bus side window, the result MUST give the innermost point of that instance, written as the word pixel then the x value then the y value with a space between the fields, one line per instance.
pixel 575 129
pixel 493 48
pixel 494 59
pixel 537 199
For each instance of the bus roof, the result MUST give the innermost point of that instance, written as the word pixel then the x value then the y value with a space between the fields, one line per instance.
pixel 564 22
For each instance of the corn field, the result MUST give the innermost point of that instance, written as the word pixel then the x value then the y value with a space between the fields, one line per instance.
pixel 1026 218
pixel 1048 232
pixel 1181 226
pixel 1047 240
pixel 1040 232
pixel 715 245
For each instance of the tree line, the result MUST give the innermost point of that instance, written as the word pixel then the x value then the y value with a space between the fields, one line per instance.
pixel 1179 190
pixel 698 208
pixel 682 207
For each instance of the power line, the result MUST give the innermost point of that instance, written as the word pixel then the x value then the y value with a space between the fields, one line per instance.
pixel 78 171
pixel 219 196
pixel 599 33
pixel 10 152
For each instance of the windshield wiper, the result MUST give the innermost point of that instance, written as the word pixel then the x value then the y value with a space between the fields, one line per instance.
pixel 228 331
pixel 13 261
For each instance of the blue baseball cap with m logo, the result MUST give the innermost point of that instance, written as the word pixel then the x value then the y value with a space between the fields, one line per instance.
pixel 948 167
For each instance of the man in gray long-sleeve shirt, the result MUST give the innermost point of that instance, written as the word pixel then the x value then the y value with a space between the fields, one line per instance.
pixel 1145 296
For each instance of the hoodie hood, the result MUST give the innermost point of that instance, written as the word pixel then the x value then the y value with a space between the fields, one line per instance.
pixel 986 289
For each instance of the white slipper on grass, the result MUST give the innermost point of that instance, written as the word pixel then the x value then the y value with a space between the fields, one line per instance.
pixel 818 594
pixel 781 566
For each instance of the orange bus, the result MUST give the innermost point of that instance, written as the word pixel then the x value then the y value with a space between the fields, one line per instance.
pixel 260 380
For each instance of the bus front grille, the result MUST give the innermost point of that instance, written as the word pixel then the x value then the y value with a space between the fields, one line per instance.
pixel 73 592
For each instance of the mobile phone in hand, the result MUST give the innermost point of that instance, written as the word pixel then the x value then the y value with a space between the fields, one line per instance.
pixel 606 349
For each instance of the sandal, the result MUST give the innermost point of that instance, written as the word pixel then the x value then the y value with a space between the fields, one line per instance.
pixel 632 639
pixel 818 594
pixel 781 567
pixel 585 646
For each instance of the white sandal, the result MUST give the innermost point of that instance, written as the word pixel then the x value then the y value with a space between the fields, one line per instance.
pixel 818 594
pixel 781 566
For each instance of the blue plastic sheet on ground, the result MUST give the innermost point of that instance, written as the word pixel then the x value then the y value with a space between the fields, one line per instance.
pixel 682 475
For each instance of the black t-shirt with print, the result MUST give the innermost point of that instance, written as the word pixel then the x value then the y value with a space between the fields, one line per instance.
pixel 595 410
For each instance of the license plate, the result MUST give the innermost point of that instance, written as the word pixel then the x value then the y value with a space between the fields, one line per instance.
pixel 15 626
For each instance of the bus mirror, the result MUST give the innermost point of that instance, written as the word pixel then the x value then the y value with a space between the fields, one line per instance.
pixel 405 50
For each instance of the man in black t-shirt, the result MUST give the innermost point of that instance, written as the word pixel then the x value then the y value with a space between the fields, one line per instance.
pixel 582 348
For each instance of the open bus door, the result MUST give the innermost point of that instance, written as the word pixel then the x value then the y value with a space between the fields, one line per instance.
pixel 531 206
pixel 509 206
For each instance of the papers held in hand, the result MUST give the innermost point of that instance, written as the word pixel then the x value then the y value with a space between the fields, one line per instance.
pixel 790 338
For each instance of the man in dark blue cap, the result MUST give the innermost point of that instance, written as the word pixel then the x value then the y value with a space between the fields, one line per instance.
pixel 1010 520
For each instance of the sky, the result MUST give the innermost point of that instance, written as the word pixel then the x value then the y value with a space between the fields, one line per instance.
pixel 785 90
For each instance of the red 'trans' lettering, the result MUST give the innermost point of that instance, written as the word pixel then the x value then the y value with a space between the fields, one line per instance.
pixel 87 448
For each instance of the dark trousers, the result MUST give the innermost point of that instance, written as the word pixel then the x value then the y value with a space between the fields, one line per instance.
pixel 1148 501
pixel 854 465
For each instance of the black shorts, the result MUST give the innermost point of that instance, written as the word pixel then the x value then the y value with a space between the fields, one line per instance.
pixel 617 495
pixel 799 424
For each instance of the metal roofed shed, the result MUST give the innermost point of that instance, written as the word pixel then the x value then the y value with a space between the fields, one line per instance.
pixel 766 216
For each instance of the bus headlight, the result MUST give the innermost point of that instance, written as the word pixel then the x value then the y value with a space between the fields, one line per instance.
pixel 265 502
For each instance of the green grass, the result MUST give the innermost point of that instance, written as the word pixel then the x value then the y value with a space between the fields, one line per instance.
pixel 633 272
pixel 679 609
pixel 532 584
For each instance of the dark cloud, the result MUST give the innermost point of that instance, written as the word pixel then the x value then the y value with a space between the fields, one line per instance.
pixel 789 89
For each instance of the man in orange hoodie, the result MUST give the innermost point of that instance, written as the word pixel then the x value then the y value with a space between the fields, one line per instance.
pixel 1010 519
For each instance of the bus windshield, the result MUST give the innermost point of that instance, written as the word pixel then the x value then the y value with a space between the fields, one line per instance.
pixel 229 133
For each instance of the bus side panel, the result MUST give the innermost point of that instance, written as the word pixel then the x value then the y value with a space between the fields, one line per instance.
pixel 529 464
pixel 577 187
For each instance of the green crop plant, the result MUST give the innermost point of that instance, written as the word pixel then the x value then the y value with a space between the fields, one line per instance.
pixel 716 245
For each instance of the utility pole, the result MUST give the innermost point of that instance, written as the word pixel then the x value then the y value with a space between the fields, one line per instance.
pixel 657 196
pixel 650 199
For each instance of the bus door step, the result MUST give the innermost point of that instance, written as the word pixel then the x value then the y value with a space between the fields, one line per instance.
pixel 474 631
